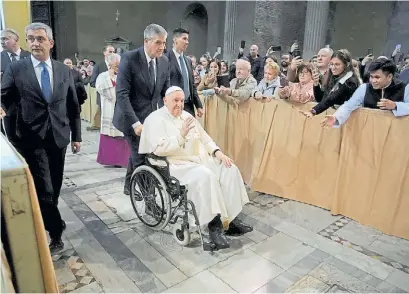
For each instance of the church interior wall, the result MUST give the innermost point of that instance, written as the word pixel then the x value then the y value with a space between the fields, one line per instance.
pixel 362 25
pixel 398 32
pixel 244 25
pixel 93 28
pixel 80 27
pixel 65 29
pixel 279 23
pixel 214 38
pixel 83 26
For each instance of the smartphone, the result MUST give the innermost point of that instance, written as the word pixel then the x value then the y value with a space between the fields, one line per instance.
pixel 297 53
pixel 283 83
pixel 276 48
pixel 242 44
pixel 370 51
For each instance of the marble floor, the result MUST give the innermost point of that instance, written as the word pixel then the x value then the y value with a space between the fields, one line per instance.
pixel 294 247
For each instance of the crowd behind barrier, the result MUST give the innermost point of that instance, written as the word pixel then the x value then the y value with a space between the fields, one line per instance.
pixel 360 170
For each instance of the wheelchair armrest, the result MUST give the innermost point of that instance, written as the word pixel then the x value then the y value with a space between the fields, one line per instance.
pixel 156 157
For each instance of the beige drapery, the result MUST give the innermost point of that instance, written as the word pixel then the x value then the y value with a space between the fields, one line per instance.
pixel 360 171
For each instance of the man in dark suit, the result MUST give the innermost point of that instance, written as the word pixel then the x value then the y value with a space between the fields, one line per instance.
pixel 12 52
pixel 78 82
pixel 98 69
pixel 181 71
pixel 143 79
pixel 47 112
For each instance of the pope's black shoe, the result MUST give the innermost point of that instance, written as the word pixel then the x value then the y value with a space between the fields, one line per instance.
pixel 217 235
pixel 237 228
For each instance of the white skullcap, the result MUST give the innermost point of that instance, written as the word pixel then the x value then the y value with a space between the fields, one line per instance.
pixel 172 89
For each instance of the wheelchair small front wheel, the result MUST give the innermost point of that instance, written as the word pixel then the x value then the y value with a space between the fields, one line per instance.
pixel 181 235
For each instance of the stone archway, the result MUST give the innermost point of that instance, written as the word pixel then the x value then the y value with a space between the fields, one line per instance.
pixel 196 22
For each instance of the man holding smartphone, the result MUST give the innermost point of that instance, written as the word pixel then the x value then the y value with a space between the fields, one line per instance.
pixel 256 62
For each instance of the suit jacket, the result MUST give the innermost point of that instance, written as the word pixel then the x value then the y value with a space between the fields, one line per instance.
pixel 135 99
pixel 5 61
pixel 98 69
pixel 34 115
pixel 79 86
pixel 176 78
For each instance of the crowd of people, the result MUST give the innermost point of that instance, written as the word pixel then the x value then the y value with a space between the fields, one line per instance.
pixel 153 86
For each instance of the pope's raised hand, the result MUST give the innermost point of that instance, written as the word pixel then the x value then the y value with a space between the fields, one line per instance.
pixel 187 125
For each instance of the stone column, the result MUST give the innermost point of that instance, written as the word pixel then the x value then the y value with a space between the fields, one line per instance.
pixel 316 22
pixel 229 45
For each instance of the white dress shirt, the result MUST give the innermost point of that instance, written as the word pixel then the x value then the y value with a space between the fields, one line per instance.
pixel 180 66
pixel 18 52
pixel 38 69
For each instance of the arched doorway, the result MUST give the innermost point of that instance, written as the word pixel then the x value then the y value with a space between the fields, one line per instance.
pixel 195 21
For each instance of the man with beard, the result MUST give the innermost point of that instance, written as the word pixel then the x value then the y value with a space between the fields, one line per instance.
pixel 285 63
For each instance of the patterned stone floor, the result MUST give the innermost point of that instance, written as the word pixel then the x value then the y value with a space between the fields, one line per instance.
pixel 295 247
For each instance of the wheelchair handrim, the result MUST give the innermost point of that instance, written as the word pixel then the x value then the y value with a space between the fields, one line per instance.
pixel 165 197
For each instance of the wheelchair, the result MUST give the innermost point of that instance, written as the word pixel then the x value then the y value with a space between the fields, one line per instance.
pixel 159 199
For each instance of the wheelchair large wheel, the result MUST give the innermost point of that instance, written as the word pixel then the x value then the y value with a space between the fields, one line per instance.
pixel 150 200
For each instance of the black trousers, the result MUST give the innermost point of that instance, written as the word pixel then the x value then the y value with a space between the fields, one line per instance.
pixel 135 160
pixel 46 162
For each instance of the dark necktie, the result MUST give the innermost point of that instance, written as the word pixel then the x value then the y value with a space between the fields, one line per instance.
pixel 46 83
pixel 152 74
pixel 13 57
pixel 186 88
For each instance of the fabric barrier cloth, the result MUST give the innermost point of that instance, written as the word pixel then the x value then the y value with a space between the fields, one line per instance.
pixel 89 108
pixel 360 170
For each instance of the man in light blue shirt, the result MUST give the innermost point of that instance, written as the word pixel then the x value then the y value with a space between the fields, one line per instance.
pixel 382 92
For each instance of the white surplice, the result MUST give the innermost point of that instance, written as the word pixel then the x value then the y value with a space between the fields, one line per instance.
pixel 106 90
pixel 213 188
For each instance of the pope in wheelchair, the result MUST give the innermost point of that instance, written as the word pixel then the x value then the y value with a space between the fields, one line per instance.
pixel 214 184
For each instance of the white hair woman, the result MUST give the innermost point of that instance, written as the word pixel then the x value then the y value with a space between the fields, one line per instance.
pixel 113 148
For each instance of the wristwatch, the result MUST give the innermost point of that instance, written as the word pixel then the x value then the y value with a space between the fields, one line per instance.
pixel 313 112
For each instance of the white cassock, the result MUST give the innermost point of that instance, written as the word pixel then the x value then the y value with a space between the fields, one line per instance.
pixel 213 188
